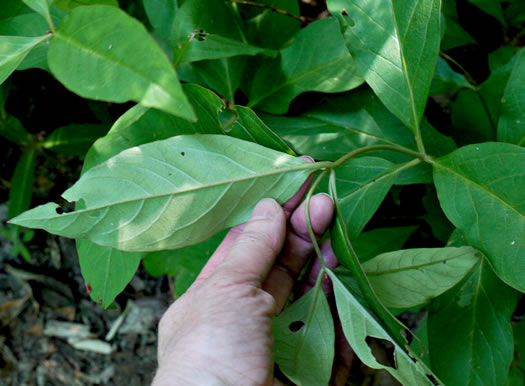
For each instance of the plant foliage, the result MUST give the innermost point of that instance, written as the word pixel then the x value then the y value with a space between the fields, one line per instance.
pixel 227 94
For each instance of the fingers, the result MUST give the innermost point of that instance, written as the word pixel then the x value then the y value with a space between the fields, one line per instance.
pixel 298 248
pixel 218 256
pixel 253 252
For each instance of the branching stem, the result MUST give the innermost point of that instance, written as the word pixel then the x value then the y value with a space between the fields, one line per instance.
pixel 308 220
pixel 302 19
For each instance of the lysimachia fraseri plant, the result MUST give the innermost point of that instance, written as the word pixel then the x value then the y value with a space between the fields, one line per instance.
pixel 191 160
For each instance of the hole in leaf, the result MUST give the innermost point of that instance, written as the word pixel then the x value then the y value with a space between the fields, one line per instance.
pixel 383 351
pixel 296 326
pixel 200 35
pixel 347 18
pixel 182 153
pixel 59 210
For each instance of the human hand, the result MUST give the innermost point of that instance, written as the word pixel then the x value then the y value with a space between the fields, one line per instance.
pixel 220 330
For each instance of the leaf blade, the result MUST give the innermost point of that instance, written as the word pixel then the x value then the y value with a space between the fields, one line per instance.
pixel 306 355
pixel 87 40
pixel 144 215
pixel 395 50
pixel 13 50
pixel 511 124
pixel 411 277
pixel 480 190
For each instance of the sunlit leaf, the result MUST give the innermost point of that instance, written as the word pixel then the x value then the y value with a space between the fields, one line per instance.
pixel 411 277
pixel 480 188
pixel 395 46
pixel 144 198
pixel 100 52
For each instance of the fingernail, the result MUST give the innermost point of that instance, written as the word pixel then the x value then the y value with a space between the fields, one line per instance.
pixel 266 208
pixel 308 158
pixel 327 195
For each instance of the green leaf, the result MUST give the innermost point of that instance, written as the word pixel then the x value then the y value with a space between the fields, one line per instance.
pixel 13 49
pixel 268 28
pixel 358 324
pixel 222 75
pixel 395 46
pixel 470 118
pixel 41 7
pixel 94 53
pixel 161 14
pixel 446 80
pixel 480 188
pixel 469 332
pixel 317 60
pixel 208 29
pixel 411 277
pixel 511 125
pixel 22 184
pixel 30 24
pixel 140 125
pixel 372 243
pixel 362 184
pixel 106 271
pixel 441 227
pixel 75 139
pixel 455 35
pixel 143 198
pixel 68 5
pixel 12 130
pixel 250 128
pixel 346 122
pixel 304 339
pixel 491 7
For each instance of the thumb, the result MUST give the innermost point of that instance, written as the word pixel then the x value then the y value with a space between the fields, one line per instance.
pixel 253 253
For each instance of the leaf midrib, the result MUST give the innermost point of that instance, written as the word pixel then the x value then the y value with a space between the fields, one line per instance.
pixel 305 166
pixel 478 186
pixel 411 267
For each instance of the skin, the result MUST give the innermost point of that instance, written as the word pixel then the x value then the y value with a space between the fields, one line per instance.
pixel 220 331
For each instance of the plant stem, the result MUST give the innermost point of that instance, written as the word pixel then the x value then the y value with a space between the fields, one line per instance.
pixel 393 325
pixel 302 19
pixel 308 220
pixel 470 79
pixel 362 150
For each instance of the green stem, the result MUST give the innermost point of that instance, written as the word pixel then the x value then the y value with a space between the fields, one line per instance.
pixel 352 261
pixel 308 220
pixel 470 79
pixel 362 150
